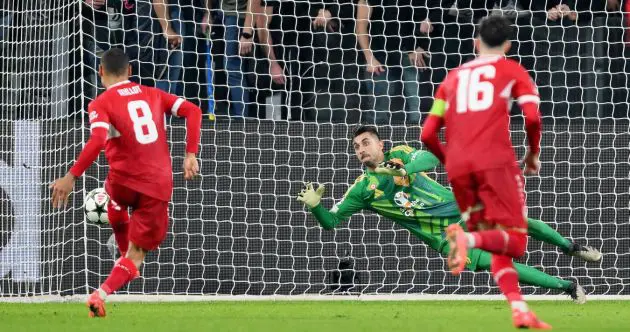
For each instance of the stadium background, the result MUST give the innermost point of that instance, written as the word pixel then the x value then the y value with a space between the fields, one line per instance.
pixel 238 230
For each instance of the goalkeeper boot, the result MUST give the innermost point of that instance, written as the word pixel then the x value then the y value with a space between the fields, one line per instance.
pixel 458 248
pixel 586 253
pixel 577 293
pixel 96 305
pixel 528 320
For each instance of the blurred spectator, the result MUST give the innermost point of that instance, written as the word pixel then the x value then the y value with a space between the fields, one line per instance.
pixel 293 28
pixel 177 22
pixel 386 34
pixel 142 40
pixel 238 22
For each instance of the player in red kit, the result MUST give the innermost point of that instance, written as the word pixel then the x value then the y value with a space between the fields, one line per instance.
pixel 473 103
pixel 128 120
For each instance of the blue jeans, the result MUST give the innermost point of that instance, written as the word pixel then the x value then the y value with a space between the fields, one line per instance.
pixel 235 67
pixel 93 47
pixel 382 88
pixel 171 80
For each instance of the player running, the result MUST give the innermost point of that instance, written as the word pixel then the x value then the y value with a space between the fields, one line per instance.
pixel 395 187
pixel 473 102
pixel 128 120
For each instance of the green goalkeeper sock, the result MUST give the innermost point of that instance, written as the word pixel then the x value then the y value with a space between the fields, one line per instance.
pixel 539 230
pixel 528 275
pixel 532 276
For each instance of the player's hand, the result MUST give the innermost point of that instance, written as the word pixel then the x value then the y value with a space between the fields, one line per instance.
pixel 391 168
pixel 61 190
pixel 191 166
pixel 311 197
pixel 173 38
pixel 532 163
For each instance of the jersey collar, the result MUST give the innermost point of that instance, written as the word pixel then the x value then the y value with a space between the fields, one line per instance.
pixel 119 84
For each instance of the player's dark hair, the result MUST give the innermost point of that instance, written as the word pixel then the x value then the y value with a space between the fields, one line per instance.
pixel 115 62
pixel 495 30
pixel 366 129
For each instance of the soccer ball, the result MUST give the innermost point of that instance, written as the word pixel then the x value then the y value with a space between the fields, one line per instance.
pixel 96 206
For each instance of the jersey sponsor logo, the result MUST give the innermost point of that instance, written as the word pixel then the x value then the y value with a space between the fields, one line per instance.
pixel 93 116
pixel 373 186
pixel 401 199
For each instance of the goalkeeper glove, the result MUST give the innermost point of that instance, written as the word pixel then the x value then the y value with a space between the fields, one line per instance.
pixel 391 168
pixel 311 197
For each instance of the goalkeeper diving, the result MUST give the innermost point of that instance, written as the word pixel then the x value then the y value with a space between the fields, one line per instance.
pixel 395 186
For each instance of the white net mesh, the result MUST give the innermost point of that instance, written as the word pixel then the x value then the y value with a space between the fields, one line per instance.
pixel 238 229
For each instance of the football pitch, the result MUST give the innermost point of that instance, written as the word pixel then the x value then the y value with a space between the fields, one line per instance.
pixel 346 316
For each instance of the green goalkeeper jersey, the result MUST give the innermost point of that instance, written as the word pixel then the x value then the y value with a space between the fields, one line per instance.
pixel 415 201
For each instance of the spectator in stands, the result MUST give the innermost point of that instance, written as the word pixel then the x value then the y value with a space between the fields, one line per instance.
pixel 238 20
pixel 178 25
pixel 292 35
pixel 143 40
pixel 386 34
pixel 452 23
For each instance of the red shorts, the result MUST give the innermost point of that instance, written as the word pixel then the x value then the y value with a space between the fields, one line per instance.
pixel 149 216
pixel 492 196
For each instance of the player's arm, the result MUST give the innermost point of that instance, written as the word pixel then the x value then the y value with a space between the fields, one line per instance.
pixel 99 126
pixel 526 94
pixel 192 113
pixel 413 161
pixel 433 124
pixel 351 203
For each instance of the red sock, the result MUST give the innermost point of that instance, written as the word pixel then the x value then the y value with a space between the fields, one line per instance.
pixel 506 277
pixel 119 220
pixel 124 271
pixel 500 242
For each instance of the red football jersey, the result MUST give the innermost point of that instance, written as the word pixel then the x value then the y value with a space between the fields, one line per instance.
pixel 478 96
pixel 136 148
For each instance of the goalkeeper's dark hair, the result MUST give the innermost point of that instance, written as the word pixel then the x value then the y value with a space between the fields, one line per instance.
pixel 366 129
pixel 115 62
pixel 495 30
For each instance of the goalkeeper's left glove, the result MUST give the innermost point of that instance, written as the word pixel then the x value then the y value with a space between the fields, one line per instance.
pixel 391 168
pixel 311 197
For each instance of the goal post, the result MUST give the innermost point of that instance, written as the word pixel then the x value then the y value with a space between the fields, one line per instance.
pixel 237 231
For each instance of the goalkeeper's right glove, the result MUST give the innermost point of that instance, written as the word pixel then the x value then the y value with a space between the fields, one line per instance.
pixel 311 197
pixel 391 168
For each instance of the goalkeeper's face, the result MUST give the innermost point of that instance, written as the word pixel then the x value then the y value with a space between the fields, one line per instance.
pixel 369 149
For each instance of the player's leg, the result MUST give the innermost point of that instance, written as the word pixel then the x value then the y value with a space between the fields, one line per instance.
pixel 481 260
pixel 147 229
pixel 500 191
pixel 117 213
pixel 465 193
pixel 539 230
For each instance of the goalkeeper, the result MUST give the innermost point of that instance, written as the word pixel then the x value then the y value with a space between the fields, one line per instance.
pixel 395 187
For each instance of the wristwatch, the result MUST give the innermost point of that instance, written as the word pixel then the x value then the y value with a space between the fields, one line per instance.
pixel 247 35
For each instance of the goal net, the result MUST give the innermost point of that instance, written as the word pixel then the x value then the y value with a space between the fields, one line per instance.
pixel 273 125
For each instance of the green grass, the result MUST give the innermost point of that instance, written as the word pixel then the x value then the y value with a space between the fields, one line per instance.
pixel 320 316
